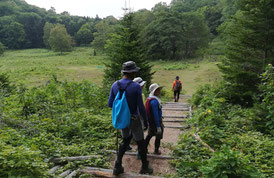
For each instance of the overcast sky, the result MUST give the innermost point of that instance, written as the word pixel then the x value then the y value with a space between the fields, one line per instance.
pixel 92 7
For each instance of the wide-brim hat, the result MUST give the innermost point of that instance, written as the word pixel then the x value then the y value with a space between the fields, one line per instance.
pixel 139 80
pixel 153 87
pixel 130 67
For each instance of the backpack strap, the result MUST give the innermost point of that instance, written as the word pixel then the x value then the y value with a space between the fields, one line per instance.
pixel 123 89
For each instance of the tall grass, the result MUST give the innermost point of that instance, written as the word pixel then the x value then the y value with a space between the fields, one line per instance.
pixel 34 67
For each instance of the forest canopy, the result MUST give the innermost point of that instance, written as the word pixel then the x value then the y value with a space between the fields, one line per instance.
pixel 177 31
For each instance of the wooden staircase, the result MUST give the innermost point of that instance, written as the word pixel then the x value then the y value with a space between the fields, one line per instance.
pixel 175 117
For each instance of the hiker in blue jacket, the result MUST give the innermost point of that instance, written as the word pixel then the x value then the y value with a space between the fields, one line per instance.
pixel 154 113
pixel 134 130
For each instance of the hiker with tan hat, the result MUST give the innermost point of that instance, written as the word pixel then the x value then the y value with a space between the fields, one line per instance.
pixel 154 114
pixel 132 92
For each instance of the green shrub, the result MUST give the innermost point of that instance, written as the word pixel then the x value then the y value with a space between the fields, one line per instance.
pixel 264 111
pixel 257 148
pixel 21 162
pixel 189 155
pixel 230 164
pixel 55 120
pixel 2 48
pixel 5 84
pixel 199 94
pixel 219 121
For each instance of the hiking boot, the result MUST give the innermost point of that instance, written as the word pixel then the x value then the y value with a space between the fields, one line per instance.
pixel 146 169
pixel 118 169
pixel 157 152
pixel 129 148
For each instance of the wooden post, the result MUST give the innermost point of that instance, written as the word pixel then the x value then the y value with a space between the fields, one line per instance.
pixel 201 141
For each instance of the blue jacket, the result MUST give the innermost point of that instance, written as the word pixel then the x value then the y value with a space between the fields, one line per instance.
pixel 133 95
pixel 156 112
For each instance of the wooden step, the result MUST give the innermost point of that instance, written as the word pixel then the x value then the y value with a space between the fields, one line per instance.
pixel 186 96
pixel 72 174
pixel 176 109
pixel 180 116
pixel 100 172
pixel 54 169
pixel 176 103
pixel 64 174
pixel 177 127
pixel 177 120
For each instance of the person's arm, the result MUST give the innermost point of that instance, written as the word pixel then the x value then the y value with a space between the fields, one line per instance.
pixel 155 111
pixel 111 97
pixel 141 107
pixel 174 83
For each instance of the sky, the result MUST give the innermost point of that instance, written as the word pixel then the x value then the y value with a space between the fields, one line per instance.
pixel 90 8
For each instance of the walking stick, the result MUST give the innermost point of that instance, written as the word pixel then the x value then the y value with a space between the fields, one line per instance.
pixel 117 146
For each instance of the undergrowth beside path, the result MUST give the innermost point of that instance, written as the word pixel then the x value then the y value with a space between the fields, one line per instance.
pixel 54 120
pixel 242 137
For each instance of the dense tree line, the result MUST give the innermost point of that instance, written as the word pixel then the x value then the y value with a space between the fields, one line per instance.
pixel 176 31
pixel 22 25
pixel 249 40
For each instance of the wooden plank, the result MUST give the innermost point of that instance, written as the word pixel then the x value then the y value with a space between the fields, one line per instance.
pixel 100 172
pixel 190 111
pixel 77 158
pixel 64 174
pixel 180 116
pixel 74 173
pixel 177 127
pixel 186 96
pixel 176 103
pixel 177 120
pixel 176 109
pixel 54 169
pixel 148 155
pixel 205 144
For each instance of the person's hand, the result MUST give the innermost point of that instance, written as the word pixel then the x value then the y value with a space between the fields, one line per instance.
pixel 145 126
pixel 159 131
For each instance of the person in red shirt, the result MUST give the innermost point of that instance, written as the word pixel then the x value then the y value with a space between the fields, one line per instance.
pixel 177 87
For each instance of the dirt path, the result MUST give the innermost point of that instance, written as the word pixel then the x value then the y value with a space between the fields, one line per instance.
pixel 161 166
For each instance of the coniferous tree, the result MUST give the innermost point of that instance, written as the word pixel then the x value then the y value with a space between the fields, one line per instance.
pixel 125 46
pixel 250 47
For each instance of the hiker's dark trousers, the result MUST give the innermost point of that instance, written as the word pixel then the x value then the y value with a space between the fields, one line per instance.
pixel 176 95
pixel 135 131
pixel 152 131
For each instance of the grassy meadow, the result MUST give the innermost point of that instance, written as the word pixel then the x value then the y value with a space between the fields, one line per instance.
pixel 34 67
